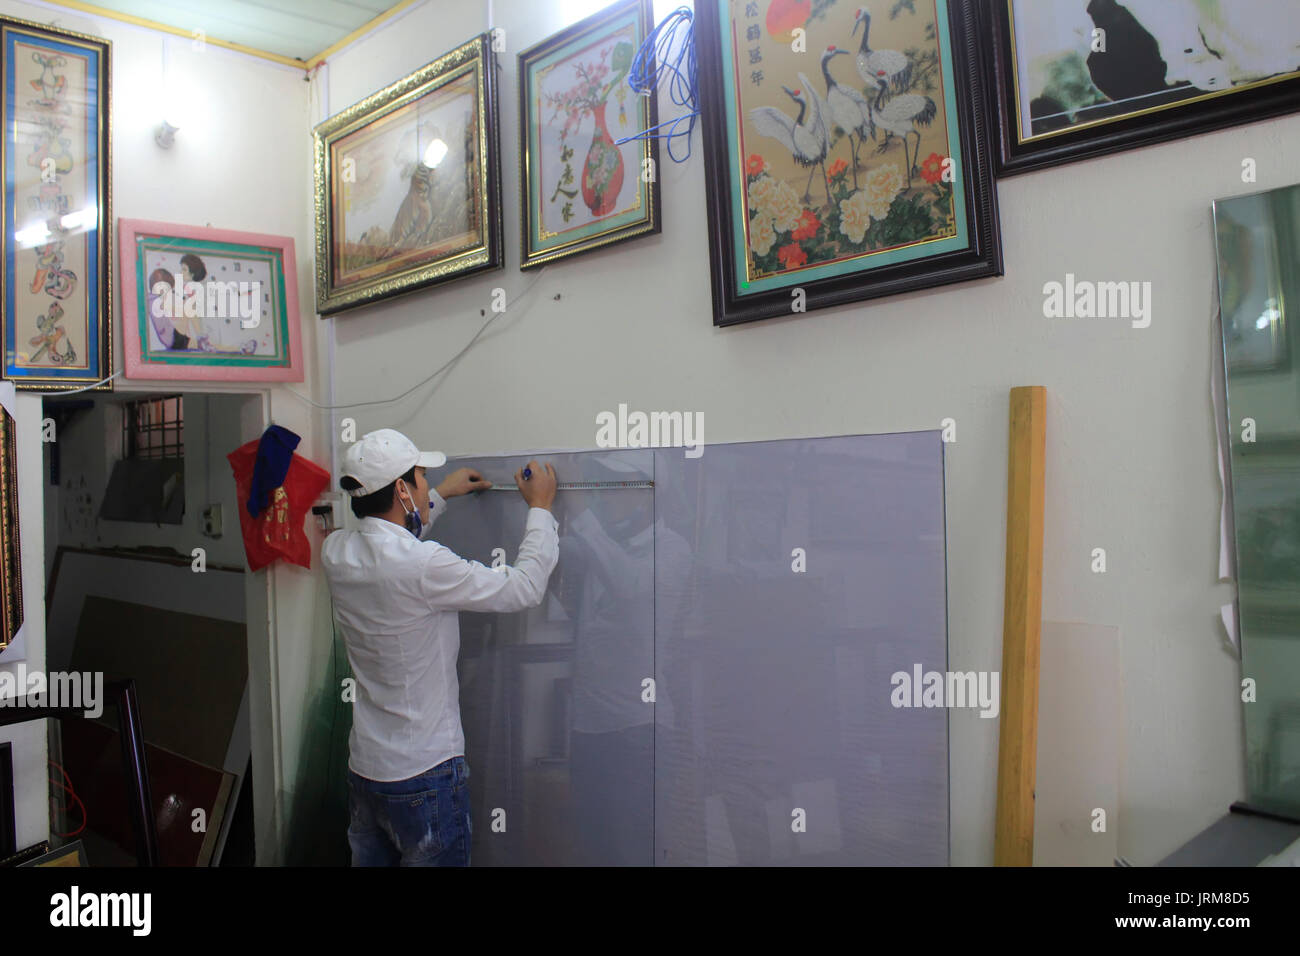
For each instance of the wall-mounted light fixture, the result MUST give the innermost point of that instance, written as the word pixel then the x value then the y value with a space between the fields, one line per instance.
pixel 173 104
pixel 165 134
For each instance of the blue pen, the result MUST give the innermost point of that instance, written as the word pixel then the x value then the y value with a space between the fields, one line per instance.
pixel 528 473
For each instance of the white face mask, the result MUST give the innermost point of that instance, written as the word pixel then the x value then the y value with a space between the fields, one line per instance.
pixel 413 522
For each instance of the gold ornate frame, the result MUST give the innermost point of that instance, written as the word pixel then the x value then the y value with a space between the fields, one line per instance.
pixel 474 57
pixel 11 601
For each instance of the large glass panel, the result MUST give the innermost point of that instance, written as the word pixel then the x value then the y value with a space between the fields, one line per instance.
pixel 772 590
pixel 557 735
pixel 792 580
pixel 1258 250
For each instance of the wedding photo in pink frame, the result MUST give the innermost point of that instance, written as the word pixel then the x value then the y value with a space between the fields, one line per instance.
pixel 209 305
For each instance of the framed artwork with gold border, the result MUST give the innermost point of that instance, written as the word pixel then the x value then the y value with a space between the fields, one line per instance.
pixel 1076 80
pixel 56 277
pixel 580 188
pixel 408 183
pixel 11 601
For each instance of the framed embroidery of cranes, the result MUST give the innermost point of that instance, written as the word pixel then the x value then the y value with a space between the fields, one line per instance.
pixel 1078 80
pixel 57 285
pixel 847 154
pixel 408 183
pixel 580 188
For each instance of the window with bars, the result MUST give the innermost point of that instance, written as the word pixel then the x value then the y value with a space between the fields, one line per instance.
pixel 154 428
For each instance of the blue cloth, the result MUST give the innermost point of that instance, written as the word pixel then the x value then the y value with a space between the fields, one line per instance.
pixel 422 821
pixel 274 455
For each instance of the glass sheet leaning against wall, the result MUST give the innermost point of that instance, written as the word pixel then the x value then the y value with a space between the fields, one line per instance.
pixel 710 679
pixel 1258 240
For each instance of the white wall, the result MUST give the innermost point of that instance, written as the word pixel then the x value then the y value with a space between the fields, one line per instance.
pixel 1130 465
pixel 241 161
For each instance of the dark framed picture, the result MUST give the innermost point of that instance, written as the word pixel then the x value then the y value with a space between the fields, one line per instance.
pixel 408 183
pixel 580 187
pixel 11 600
pixel 1076 80
pixel 57 283
pixel 847 151
pixel 72 854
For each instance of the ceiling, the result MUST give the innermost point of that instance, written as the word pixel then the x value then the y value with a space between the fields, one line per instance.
pixel 296 29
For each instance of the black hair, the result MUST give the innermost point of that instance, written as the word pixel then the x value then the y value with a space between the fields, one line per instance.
pixel 377 502
pixel 197 269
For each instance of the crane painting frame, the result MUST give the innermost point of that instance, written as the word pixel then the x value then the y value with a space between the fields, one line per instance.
pixel 1073 85
pixel 806 213
pixel 398 206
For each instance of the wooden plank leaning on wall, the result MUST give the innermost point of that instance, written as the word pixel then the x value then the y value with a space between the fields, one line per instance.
pixel 1021 626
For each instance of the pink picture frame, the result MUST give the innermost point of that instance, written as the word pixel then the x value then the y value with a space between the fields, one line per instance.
pixel 212 305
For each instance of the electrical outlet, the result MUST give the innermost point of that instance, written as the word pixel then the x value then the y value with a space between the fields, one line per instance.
pixel 328 508
pixel 212 521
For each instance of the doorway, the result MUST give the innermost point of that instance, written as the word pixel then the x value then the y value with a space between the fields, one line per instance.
pixel 146 579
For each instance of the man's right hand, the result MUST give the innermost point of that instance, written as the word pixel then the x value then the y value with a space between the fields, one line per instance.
pixel 539 490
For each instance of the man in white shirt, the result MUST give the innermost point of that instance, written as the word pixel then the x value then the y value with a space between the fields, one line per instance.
pixel 395 598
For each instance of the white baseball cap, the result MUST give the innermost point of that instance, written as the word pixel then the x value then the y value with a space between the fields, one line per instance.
pixel 383 456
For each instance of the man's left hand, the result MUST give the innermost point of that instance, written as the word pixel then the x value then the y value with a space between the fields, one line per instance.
pixel 461 482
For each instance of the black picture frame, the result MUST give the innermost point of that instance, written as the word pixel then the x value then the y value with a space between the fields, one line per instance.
pixel 8 836
pixel 139 796
pixel 1170 117
pixel 982 258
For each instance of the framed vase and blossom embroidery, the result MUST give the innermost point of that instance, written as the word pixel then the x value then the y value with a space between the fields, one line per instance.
pixel 847 149
pixel 57 284
pixel 581 188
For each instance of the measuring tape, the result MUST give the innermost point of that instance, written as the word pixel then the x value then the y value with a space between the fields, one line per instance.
pixel 583 486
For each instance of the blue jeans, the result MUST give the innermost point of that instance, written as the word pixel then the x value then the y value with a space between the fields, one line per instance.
pixel 422 821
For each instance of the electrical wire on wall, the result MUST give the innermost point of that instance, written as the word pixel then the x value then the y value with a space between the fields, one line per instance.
pixel 446 366
pixel 655 65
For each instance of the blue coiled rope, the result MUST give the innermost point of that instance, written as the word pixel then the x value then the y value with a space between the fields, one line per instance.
pixel 655 64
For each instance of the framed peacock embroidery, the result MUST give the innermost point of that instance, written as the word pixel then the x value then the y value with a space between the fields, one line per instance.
pixel 408 183
pixel 582 186
pixel 848 151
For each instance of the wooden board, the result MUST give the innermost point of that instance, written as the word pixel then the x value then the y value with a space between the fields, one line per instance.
pixel 1021 627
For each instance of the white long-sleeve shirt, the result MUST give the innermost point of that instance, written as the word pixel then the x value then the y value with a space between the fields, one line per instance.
pixel 396 599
